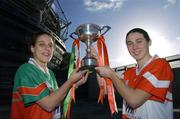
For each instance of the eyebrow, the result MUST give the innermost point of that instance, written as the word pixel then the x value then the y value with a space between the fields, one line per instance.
pixel 135 39
pixel 42 41
pixel 139 39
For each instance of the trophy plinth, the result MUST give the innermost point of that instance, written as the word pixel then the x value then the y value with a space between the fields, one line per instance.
pixel 88 63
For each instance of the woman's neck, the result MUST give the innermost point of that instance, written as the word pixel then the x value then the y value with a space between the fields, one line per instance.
pixel 41 64
pixel 143 61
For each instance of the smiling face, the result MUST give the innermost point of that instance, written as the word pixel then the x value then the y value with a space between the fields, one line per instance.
pixel 138 46
pixel 43 48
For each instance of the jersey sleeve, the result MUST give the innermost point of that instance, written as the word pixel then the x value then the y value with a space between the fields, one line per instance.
pixel 156 79
pixel 30 85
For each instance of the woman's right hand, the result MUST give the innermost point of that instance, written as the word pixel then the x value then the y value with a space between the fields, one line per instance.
pixel 104 71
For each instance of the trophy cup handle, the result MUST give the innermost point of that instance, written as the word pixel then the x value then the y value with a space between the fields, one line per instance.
pixel 74 33
pixel 107 29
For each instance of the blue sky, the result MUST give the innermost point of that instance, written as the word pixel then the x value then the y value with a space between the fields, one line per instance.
pixel 160 18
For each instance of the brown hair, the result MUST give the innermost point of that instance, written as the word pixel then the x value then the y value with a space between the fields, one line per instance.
pixel 141 31
pixel 36 35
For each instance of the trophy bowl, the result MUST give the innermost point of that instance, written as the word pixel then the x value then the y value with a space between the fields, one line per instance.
pixel 88 32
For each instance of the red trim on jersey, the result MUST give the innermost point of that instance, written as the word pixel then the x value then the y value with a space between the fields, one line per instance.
pixel 32 90
pixel 16 97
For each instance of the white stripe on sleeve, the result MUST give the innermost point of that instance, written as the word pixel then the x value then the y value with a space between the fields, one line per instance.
pixel 155 82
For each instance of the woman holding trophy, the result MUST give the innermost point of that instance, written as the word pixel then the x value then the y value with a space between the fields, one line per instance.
pixel 147 88
pixel 35 93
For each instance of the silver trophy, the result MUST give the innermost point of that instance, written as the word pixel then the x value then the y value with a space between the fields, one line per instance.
pixel 88 34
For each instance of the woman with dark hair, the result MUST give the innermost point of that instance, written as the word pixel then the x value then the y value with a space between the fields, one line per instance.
pixel 147 88
pixel 35 93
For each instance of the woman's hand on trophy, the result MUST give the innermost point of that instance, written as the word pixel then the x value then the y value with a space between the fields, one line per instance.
pixel 77 76
pixel 82 80
pixel 104 71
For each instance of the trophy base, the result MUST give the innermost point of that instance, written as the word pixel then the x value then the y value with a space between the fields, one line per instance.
pixel 92 74
pixel 89 63
pixel 90 68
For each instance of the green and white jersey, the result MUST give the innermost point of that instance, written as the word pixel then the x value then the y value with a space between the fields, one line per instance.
pixel 31 84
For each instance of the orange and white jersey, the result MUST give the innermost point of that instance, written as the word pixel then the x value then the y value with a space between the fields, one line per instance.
pixel 155 78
